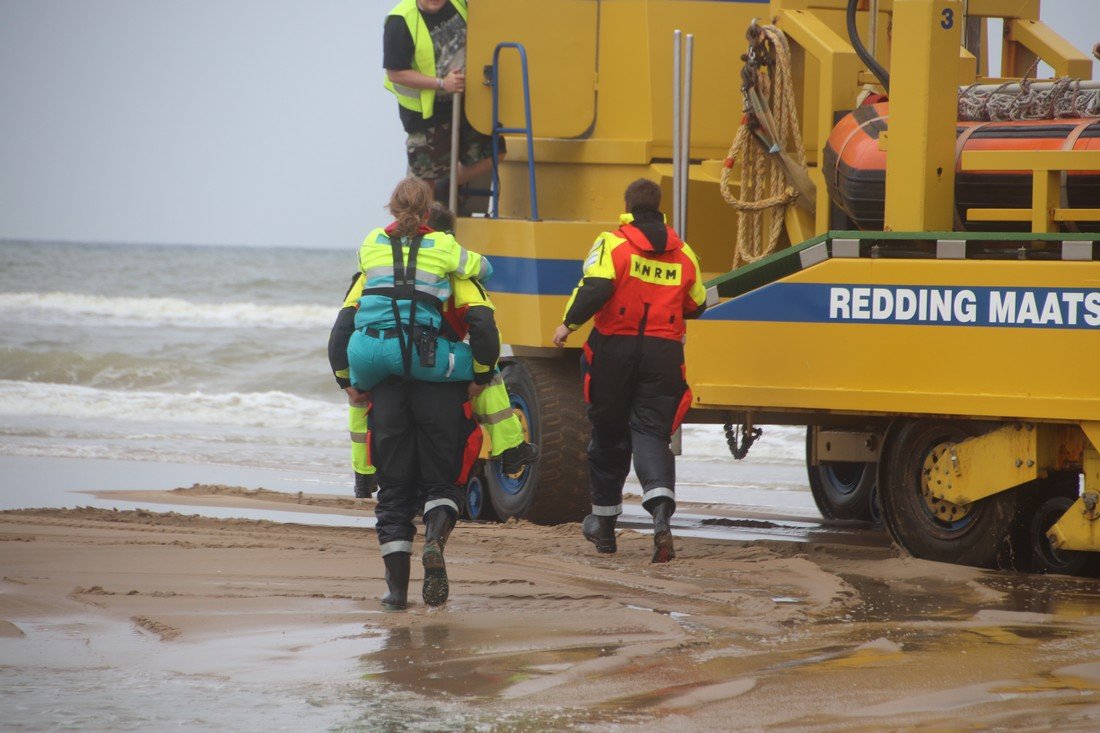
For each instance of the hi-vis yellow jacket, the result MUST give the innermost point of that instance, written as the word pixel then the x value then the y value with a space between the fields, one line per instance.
pixel 419 100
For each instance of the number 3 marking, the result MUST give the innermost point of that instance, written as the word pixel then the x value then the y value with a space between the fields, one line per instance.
pixel 948 18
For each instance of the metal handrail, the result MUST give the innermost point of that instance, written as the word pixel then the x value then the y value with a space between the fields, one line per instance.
pixel 498 130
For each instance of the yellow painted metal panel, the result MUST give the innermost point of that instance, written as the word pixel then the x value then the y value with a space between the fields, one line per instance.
pixel 1076 215
pixel 998 214
pixel 1029 160
pixel 920 165
pixel 986 465
pixel 560 40
pixel 1078 529
pixel 1056 51
pixel 894 368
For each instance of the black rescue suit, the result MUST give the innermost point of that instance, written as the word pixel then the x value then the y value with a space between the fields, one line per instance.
pixel 640 283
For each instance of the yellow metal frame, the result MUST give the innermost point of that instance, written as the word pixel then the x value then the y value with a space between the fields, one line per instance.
pixel 1046 167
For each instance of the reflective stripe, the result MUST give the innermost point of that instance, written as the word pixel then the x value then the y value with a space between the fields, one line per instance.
pixel 659 491
pixel 358 437
pixel 405 91
pixel 379 272
pixel 494 417
pixel 436 503
pixel 607 511
pixel 388 548
pixel 450 364
pixel 463 256
pixel 439 291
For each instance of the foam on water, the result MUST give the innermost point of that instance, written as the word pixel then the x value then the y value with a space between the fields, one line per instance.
pixel 73 308
pixel 269 410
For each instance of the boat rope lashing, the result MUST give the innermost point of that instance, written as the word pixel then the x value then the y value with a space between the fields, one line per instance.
pixel 769 129
pixel 1029 100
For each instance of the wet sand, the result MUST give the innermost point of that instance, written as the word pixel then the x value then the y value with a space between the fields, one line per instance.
pixel 540 632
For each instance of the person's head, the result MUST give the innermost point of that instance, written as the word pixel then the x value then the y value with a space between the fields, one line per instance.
pixel 643 195
pixel 440 218
pixel 409 204
pixel 431 7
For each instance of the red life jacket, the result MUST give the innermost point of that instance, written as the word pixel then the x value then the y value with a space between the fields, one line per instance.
pixel 651 288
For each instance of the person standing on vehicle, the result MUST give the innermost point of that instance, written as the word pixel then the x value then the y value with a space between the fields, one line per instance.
pixel 424 55
pixel 640 283
pixel 423 438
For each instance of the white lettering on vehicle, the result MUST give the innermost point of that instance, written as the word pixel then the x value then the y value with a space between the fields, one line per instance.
pixel 992 307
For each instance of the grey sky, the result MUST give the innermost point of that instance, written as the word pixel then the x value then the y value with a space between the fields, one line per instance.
pixel 214 121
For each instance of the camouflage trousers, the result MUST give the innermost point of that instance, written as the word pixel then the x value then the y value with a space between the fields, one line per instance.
pixel 430 150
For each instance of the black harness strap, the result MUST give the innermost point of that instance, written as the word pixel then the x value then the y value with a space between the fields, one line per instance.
pixel 404 288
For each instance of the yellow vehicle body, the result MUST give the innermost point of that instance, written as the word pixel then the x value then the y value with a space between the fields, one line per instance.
pixel 812 344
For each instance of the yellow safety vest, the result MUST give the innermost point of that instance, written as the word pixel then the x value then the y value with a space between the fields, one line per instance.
pixel 418 100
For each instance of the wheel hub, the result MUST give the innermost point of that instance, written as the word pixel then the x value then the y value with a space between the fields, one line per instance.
pixel 941 509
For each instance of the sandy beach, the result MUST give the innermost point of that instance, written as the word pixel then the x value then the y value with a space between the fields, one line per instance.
pixel 248 624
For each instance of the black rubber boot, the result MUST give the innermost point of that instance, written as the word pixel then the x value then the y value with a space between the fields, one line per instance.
pixel 515 459
pixel 397 580
pixel 438 524
pixel 365 485
pixel 663 551
pixel 600 531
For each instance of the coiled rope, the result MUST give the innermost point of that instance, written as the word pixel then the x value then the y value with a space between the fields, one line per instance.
pixel 765 191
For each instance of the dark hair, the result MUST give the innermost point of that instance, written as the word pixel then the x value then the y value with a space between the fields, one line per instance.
pixel 440 218
pixel 643 194
pixel 409 205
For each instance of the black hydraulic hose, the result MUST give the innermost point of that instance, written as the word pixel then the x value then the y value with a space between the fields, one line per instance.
pixel 853 37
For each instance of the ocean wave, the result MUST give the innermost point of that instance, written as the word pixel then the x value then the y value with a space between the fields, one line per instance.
pixel 252 410
pixel 67 308
pixel 780 444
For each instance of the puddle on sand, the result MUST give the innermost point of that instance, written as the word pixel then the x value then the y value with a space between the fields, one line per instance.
pixel 441 676
pixel 436 659
pixel 1058 595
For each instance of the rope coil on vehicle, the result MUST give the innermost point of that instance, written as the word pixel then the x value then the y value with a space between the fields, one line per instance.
pixel 764 190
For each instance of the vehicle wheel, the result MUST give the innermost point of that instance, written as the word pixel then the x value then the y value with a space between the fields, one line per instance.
pixel 477 498
pixel 841 490
pixel 1046 559
pixel 553 490
pixel 980 533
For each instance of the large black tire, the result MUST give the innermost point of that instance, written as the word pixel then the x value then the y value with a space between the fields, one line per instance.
pixel 555 488
pixel 983 533
pixel 1044 504
pixel 841 490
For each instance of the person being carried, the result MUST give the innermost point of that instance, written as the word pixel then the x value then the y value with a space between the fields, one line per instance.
pixel 468 311
pixel 424 54
pixel 423 439
pixel 640 283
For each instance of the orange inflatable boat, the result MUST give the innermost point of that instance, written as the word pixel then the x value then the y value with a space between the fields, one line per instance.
pixel 855 168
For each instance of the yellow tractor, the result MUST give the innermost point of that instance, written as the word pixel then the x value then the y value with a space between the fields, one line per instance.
pixel 901 246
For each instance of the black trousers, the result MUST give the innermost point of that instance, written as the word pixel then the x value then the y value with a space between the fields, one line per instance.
pixel 424 441
pixel 636 396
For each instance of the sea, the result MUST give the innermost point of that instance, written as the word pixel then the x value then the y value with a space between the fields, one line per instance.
pixel 127 366
pixel 200 356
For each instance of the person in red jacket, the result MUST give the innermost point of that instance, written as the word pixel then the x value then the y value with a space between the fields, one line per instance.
pixel 640 283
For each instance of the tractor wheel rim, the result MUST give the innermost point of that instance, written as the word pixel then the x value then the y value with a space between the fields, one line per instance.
pixel 944 513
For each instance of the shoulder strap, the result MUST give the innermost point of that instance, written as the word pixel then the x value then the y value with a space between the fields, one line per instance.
pixel 404 288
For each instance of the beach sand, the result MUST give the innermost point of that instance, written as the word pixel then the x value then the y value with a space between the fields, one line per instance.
pixel 540 632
